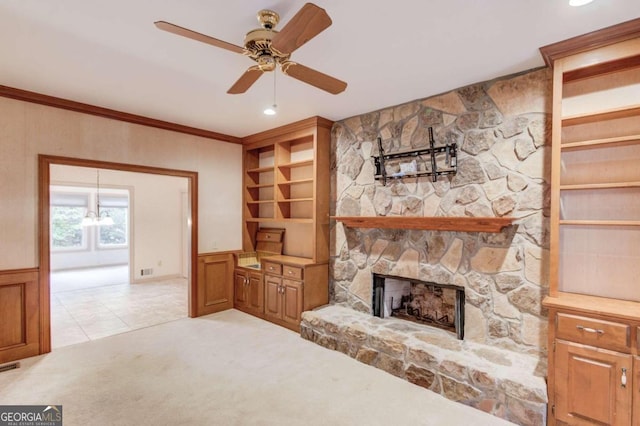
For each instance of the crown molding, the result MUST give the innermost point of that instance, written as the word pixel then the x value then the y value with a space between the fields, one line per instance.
pixel 39 98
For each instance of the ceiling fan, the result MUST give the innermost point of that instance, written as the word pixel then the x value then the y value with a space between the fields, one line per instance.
pixel 270 48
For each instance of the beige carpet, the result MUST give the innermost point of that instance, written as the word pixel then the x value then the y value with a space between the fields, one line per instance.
pixel 222 369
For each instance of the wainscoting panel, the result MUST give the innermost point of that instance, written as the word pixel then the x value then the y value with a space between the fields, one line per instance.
pixel 19 314
pixel 215 282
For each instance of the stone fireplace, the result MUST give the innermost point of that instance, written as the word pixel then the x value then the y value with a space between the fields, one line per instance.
pixel 502 129
pixel 422 302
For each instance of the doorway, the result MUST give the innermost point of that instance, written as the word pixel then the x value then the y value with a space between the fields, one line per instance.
pixel 107 227
pixel 45 166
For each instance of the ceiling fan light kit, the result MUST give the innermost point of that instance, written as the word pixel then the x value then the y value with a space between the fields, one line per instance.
pixel 270 48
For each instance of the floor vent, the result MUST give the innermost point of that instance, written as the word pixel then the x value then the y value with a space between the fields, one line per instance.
pixel 146 271
pixel 11 366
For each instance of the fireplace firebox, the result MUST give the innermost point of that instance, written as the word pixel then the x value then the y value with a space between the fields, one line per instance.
pixel 423 302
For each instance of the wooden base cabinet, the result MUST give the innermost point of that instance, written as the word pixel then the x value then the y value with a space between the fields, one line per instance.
pixel 283 300
pixel 293 285
pixel 248 291
pixel 593 361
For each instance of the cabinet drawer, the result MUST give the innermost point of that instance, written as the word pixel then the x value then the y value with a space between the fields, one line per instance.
pixel 269 235
pixel 272 268
pixel 292 272
pixel 594 332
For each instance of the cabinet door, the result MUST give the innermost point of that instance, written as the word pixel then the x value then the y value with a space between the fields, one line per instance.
pixel 255 292
pixel 272 296
pixel 292 301
pixel 590 385
pixel 240 295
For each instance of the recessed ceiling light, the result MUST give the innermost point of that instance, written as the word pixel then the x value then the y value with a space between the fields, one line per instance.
pixel 577 3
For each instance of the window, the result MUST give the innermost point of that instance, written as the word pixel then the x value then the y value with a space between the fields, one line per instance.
pixel 69 205
pixel 116 235
pixel 67 211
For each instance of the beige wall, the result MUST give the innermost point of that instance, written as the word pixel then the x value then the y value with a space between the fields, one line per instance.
pixel 27 130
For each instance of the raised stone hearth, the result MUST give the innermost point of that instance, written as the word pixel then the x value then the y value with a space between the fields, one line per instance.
pixel 501 382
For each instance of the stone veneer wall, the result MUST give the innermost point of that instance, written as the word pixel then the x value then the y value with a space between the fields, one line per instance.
pixel 502 128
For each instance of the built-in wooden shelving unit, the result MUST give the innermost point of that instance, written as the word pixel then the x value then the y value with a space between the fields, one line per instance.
pixel 462 224
pixel 593 302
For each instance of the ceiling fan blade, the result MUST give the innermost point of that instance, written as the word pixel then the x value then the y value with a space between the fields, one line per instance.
pixel 175 29
pixel 246 80
pixel 313 77
pixel 310 21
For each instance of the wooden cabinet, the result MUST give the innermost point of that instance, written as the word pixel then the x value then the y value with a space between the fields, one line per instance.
pixel 593 385
pixel 248 291
pixel 286 184
pixel 293 285
pixel 593 378
pixel 594 302
pixel 283 300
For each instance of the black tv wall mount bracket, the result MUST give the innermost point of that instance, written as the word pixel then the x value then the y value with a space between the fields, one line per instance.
pixel 432 167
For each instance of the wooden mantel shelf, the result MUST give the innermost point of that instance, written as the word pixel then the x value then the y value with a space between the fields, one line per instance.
pixel 462 224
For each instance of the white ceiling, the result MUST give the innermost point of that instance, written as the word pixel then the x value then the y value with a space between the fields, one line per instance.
pixel 109 53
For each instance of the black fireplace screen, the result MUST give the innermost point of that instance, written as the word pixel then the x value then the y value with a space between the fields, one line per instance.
pixel 438 305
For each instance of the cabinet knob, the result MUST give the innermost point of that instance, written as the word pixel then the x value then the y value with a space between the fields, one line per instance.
pixel 623 379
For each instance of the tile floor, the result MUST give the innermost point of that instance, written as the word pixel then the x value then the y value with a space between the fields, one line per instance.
pixel 85 306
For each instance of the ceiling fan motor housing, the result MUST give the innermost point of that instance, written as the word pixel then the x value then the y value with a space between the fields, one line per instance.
pixel 257 43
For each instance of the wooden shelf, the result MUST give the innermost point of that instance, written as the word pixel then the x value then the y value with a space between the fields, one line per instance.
pixel 281 220
pixel 295 200
pixel 463 224
pixel 296 182
pixel 596 143
pixel 608 114
pixel 261 185
pixel 296 164
pixel 261 169
pixel 600 186
pixel 600 222
pixel 260 202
